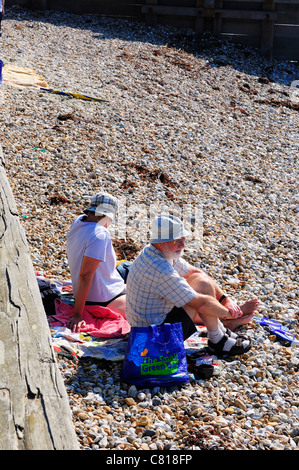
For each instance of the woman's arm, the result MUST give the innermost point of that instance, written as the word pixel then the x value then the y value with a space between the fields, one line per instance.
pixel 88 269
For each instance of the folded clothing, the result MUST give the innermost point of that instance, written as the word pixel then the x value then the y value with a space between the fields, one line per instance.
pixel 101 322
pixel 49 292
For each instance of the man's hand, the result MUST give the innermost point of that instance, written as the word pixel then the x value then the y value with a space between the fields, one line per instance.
pixel 233 308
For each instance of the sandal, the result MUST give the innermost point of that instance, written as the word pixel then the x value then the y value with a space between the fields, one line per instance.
pixel 237 349
pixel 228 332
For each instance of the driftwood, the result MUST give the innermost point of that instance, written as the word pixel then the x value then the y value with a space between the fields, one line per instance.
pixel 34 409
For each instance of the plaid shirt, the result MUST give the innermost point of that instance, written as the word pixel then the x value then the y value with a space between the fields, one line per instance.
pixel 154 287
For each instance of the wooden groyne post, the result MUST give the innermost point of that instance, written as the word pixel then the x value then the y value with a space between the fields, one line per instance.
pixel 34 408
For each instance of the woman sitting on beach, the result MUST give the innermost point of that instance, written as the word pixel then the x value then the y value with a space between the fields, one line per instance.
pixel 92 260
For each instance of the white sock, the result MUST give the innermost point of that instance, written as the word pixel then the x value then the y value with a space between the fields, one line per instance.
pixel 217 335
pixel 223 329
pixel 231 342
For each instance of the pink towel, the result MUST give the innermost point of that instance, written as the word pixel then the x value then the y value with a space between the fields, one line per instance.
pixel 99 321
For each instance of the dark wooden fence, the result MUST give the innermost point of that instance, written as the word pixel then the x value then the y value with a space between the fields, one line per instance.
pixel 272 26
pixel 120 8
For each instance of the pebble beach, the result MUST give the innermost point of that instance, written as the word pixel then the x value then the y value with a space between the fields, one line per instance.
pixel 195 125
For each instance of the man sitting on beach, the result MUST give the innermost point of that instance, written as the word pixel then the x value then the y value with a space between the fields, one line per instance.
pixel 164 288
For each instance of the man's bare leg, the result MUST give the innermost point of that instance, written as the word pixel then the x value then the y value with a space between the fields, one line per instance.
pixel 220 340
pixel 204 284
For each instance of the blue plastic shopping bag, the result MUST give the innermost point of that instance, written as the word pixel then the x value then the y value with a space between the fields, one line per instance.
pixel 1 65
pixel 155 356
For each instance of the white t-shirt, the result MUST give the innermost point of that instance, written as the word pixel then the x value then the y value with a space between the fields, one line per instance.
pixel 93 240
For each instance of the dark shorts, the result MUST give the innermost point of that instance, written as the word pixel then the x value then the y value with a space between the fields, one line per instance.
pixel 105 304
pixel 179 315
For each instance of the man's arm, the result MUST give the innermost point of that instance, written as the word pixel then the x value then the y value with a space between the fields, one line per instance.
pixel 208 305
pixel 3 2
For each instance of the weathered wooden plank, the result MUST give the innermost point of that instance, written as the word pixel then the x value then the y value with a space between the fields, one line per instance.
pixel 34 410
pixel 248 2
pixel 39 4
pixel 266 38
pixel 188 11
pixel 168 10
pixel 119 8
pixel 218 19
pixel 150 17
pixel 251 28
pixel 247 15
pixel 294 2
pixel 176 3
pixel 285 48
pixel 287 14
pixel 286 31
pixel 199 22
